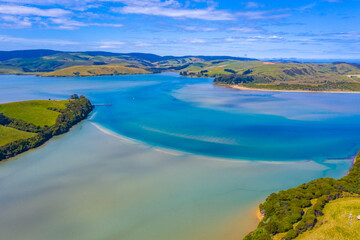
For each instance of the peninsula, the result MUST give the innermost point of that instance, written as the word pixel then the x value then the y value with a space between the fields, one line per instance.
pixel 29 124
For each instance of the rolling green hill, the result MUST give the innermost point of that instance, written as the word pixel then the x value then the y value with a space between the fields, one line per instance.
pixel 29 124
pixel 230 71
pixel 218 67
pixel 338 222
pixel 36 111
pixel 8 135
pixel 296 76
pixel 95 70
pixel 44 61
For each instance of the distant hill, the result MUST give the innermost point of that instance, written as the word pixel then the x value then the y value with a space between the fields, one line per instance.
pixel 43 61
pixel 6 55
pixel 287 74
pixel 96 70
pixel 296 76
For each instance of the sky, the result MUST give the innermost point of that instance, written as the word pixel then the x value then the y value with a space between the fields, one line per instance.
pixel 312 29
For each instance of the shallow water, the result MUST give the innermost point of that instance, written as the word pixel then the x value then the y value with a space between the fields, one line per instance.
pixel 172 158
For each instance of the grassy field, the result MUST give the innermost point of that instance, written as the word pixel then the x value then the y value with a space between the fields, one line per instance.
pixel 8 135
pixel 213 68
pixel 95 70
pixel 337 223
pixel 297 76
pixel 34 111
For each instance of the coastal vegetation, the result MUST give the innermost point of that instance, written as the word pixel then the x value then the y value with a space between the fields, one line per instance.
pixel 29 124
pixel 290 213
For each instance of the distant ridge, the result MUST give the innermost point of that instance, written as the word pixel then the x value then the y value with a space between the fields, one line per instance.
pixel 6 55
pixel 303 60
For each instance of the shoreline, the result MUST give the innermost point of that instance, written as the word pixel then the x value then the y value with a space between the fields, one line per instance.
pixel 276 90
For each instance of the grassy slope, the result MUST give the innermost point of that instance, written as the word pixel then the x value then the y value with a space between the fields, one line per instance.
pixel 34 111
pixel 305 73
pixel 277 71
pixel 217 67
pixel 337 223
pixel 95 70
pixel 8 135
pixel 294 76
pixel 63 60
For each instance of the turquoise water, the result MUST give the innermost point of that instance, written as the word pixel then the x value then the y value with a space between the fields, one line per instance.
pixel 172 158
pixel 192 115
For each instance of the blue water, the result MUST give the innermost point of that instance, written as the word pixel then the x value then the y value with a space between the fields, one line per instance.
pixel 192 115
pixel 184 160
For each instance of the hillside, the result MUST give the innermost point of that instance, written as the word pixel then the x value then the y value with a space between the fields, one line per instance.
pixel 44 61
pixel 38 112
pixel 338 222
pixel 218 67
pixel 95 70
pixel 296 76
pixel 244 73
pixel 293 212
pixel 28 124
pixel 8 135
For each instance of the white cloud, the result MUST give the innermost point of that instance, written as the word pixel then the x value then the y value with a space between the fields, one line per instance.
pixel 32 11
pixel 142 44
pixel 106 24
pixel 253 38
pixel 192 40
pixel 67 23
pixel 256 15
pixel 15 16
pixel 197 28
pixel 203 14
pixel 10 39
pixel 244 30
pixel 15 22
pixel 70 24
pixel 110 44
pixel 252 5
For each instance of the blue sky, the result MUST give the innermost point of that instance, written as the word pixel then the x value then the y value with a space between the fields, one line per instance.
pixel 260 29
